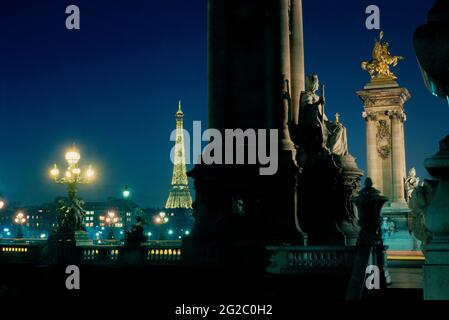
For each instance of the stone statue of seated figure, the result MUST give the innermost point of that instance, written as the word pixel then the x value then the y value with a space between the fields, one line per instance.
pixel 337 142
pixel 317 132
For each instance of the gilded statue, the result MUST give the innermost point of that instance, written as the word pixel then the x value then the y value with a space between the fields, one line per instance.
pixel 379 66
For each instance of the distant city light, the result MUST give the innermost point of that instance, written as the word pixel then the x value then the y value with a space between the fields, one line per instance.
pixel 6 229
pixel 170 232
pixel 43 236
pixel 187 232
pixel 150 234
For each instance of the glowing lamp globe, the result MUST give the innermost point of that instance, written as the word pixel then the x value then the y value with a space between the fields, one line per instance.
pixel 72 156
pixel 54 172
pixel 126 193
pixel 90 173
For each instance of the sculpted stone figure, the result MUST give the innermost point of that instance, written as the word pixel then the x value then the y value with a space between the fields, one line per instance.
pixel 337 141
pixel 411 183
pixel 419 202
pixel 313 117
pixel 71 216
pixel 317 132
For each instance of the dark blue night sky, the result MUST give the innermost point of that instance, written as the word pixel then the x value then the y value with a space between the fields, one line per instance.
pixel 113 86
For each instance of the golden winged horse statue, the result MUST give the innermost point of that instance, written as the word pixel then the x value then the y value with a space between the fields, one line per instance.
pixel 379 66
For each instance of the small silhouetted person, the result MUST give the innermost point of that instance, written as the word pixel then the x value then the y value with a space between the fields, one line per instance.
pixel 136 235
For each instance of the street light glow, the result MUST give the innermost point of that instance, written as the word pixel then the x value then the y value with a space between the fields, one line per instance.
pixel 73 173
pixel 54 172
pixel 90 173
pixel 126 193
pixel 20 218
pixel 73 156
pixel 2 204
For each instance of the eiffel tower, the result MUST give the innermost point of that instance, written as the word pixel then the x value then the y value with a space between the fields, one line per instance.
pixel 179 197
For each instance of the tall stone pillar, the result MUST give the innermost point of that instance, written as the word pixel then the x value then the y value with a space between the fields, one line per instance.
pixel 398 156
pixel 285 74
pixel 385 117
pixel 253 77
pixel 374 168
pixel 297 57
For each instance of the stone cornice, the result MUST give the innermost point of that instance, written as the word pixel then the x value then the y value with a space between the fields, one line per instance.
pixel 378 98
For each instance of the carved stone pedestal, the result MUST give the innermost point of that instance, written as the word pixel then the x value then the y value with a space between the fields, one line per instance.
pixel 238 212
pixel 325 211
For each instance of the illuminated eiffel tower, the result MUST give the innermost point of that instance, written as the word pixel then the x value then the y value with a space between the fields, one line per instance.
pixel 179 197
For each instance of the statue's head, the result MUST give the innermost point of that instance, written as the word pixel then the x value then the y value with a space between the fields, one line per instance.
pixel 312 83
pixel 412 172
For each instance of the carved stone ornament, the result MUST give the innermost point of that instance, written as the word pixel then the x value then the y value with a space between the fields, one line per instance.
pixel 383 139
pixel 369 116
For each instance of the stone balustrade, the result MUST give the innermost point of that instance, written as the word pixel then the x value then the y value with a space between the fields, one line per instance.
pixel 300 259
pixel 150 253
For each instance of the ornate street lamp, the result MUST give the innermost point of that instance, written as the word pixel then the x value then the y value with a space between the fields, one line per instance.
pixel 110 220
pixel 20 219
pixel 161 219
pixel 126 193
pixel 71 214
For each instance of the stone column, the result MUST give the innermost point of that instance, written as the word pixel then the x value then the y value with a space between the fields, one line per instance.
pixel 250 80
pixel 217 61
pixel 285 76
pixel 297 57
pixel 372 158
pixel 398 157
pixel 385 139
